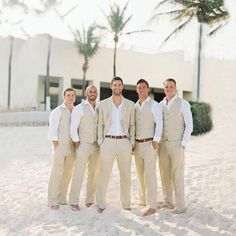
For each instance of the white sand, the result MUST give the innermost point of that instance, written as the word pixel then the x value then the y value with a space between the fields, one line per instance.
pixel 210 191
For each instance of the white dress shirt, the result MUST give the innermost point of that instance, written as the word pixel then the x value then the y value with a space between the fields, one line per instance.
pixel 157 114
pixel 187 115
pixel 76 116
pixel 116 125
pixel 54 120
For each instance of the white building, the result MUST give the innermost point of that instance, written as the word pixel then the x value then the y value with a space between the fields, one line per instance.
pixel 29 72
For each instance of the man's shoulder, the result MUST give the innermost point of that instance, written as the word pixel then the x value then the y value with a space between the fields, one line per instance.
pixel 185 102
pixel 105 101
pixel 129 102
pixel 58 108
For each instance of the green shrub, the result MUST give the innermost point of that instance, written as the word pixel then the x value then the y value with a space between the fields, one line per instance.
pixel 202 122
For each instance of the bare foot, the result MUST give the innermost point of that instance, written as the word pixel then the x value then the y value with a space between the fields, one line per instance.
pixel 175 211
pixel 100 210
pixel 149 211
pixel 75 207
pixel 89 204
pixel 161 205
pixel 55 207
pixel 127 208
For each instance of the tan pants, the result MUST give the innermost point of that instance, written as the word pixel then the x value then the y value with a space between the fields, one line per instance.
pixel 86 156
pixel 62 167
pixel 109 150
pixel 145 160
pixel 171 163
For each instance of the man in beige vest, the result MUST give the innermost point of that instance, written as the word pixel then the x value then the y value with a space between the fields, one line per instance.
pixel 177 128
pixel 148 126
pixel 116 128
pixel 63 150
pixel 84 134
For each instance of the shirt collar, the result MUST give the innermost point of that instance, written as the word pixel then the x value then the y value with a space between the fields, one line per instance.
pixel 63 105
pixel 146 100
pixel 171 100
pixel 87 103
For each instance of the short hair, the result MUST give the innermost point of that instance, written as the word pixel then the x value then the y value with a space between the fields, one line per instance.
pixel 117 78
pixel 169 80
pixel 143 81
pixel 68 90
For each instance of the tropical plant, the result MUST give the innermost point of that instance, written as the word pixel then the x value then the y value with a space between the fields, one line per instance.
pixel 209 12
pixel 21 4
pixel 88 45
pixel 117 22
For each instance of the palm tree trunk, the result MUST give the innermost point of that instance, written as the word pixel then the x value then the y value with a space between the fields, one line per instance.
pixel 9 73
pixel 85 68
pixel 47 81
pixel 114 61
pixel 199 60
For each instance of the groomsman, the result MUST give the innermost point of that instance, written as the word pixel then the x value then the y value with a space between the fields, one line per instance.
pixel 63 150
pixel 177 128
pixel 148 123
pixel 116 128
pixel 83 131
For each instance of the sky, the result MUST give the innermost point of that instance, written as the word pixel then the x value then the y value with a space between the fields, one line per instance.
pixel 222 45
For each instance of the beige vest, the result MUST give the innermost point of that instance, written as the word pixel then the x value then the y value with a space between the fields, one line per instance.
pixel 145 124
pixel 64 127
pixel 173 121
pixel 88 125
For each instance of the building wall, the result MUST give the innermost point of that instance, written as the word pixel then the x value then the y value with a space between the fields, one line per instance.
pixel 218 88
pixel 30 57
pixel 4 57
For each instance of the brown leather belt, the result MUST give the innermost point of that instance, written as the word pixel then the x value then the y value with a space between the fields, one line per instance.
pixel 143 140
pixel 116 137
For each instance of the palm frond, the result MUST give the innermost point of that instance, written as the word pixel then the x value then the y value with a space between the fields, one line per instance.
pixel 139 31
pixel 125 23
pixel 156 16
pixel 162 3
pixel 179 28
pixel 124 9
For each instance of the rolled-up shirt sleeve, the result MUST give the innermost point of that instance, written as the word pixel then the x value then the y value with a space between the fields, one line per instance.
pixel 54 119
pixel 188 122
pixel 76 115
pixel 157 112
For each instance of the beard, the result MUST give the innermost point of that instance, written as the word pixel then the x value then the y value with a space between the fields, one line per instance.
pixel 92 98
pixel 116 93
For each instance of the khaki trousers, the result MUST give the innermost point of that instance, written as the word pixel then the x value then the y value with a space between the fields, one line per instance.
pixel 86 157
pixel 110 149
pixel 62 167
pixel 145 160
pixel 171 163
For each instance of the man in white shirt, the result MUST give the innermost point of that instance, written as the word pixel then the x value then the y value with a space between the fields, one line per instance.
pixel 83 132
pixel 148 126
pixel 116 128
pixel 177 129
pixel 63 150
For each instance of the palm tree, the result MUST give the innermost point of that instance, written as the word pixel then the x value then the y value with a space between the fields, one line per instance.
pixel 209 12
pixel 11 3
pixel 117 22
pixel 23 5
pixel 88 45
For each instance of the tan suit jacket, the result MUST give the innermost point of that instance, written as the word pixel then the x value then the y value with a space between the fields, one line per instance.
pixel 105 117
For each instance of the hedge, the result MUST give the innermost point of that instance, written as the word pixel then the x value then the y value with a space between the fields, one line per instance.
pixel 202 122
